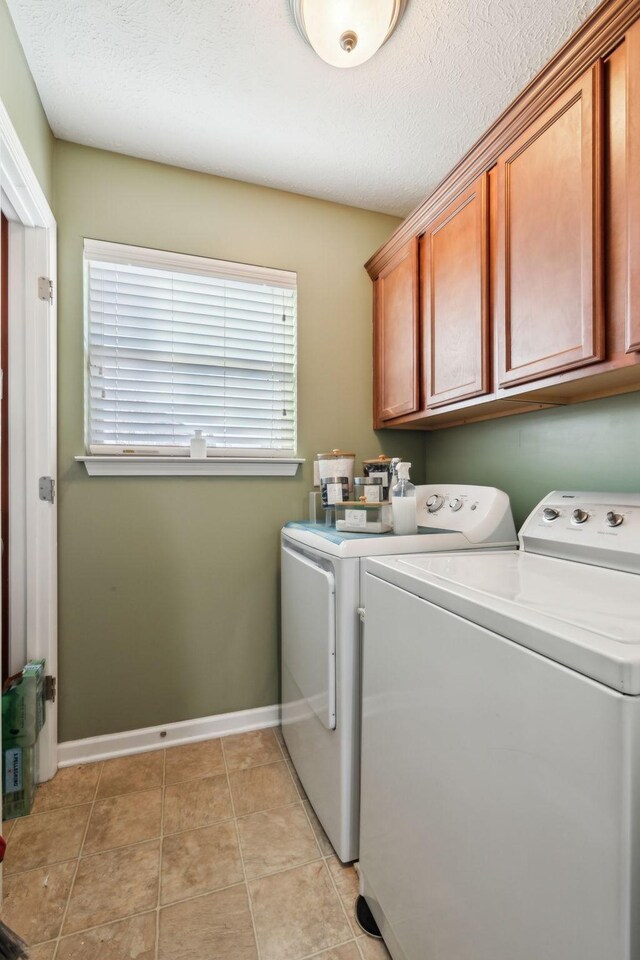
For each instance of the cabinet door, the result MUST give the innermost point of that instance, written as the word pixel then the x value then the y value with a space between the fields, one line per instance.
pixel 549 287
pixel 397 383
pixel 633 187
pixel 455 300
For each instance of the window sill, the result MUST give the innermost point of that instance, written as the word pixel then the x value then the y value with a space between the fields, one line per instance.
pixel 130 466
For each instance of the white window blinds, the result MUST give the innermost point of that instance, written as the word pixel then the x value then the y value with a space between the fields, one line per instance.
pixel 177 343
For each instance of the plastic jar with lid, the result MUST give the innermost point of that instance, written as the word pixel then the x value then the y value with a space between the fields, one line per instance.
pixel 370 489
pixel 336 463
pixel 334 490
pixel 379 467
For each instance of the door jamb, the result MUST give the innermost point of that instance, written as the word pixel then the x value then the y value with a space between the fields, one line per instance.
pixel 37 370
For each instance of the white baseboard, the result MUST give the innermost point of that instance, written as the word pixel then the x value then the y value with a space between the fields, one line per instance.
pixel 130 742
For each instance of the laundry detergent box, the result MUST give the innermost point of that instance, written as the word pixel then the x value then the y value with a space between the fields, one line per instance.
pixel 18 780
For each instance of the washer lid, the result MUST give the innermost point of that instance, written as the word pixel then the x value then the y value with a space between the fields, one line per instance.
pixel 585 617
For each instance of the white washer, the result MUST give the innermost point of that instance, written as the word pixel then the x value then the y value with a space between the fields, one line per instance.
pixel 321 596
pixel 501 743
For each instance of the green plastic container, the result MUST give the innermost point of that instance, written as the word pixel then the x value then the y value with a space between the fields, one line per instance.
pixel 35 668
pixel 19 713
pixel 23 716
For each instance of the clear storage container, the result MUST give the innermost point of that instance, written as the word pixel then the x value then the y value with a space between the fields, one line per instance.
pixel 369 489
pixel 357 516
pixel 336 463
pixel 380 466
pixel 334 490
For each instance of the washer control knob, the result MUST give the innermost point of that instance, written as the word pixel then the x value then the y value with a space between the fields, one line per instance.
pixel 579 516
pixel 455 504
pixel 550 513
pixel 434 503
pixel 613 519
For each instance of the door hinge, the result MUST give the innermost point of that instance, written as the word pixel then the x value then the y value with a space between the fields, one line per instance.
pixel 47 489
pixel 45 289
pixel 50 688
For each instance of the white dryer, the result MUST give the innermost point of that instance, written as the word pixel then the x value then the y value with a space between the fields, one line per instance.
pixel 322 577
pixel 501 742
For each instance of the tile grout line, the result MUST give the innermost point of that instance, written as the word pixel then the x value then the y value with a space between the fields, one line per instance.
pixel 41 866
pixel 339 896
pixel 289 764
pixel 99 926
pixel 93 803
pixel 279 806
pixel 358 948
pixel 325 858
pixel 237 883
pixel 292 778
pixel 300 798
pixel 30 817
pixel 251 766
pixel 75 872
pixel 8 873
pixel 200 896
pixel 164 785
pixel 306 813
pixel 322 857
pixel 280 745
pixel 137 843
pixel 242 864
pixel 319 953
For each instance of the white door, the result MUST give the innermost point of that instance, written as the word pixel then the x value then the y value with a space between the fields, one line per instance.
pixel 32 425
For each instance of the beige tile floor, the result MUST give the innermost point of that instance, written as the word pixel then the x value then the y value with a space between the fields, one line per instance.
pixel 203 852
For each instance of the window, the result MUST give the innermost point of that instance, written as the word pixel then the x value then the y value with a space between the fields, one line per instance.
pixel 176 343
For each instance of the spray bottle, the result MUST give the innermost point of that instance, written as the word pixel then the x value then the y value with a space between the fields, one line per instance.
pixel 393 474
pixel 404 503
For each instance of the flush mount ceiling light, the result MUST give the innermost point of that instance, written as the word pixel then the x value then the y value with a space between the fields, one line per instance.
pixel 345 33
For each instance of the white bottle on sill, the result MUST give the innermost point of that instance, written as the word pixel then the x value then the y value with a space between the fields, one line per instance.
pixel 198 446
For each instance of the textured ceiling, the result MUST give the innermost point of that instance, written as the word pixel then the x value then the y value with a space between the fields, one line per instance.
pixel 229 87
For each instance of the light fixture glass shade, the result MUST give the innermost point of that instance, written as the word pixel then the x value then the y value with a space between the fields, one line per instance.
pixel 345 33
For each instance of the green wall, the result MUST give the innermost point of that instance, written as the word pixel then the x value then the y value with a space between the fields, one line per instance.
pixel 169 587
pixel 20 97
pixel 587 446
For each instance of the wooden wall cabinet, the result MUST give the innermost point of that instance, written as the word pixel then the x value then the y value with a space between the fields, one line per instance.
pixel 549 313
pixel 396 337
pixel 632 340
pixel 529 252
pixel 454 286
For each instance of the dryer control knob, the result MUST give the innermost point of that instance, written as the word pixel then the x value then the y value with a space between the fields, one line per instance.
pixel 550 513
pixel 613 519
pixel 455 504
pixel 434 502
pixel 579 516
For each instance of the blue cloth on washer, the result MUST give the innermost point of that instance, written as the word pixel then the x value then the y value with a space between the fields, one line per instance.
pixel 336 536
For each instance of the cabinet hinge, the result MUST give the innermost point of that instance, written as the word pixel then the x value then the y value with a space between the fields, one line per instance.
pixel 50 688
pixel 45 289
pixel 47 489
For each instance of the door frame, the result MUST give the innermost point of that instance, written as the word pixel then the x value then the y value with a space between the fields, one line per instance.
pixel 33 572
